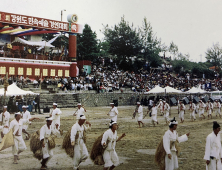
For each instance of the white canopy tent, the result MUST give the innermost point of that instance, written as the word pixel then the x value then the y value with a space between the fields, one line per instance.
pixel 156 89
pixel 31 43
pixel 167 89
pixel 194 90
pixel 172 90
pixel 14 90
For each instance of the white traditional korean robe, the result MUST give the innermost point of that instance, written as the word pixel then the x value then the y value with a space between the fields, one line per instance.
pixel 181 108
pixel 79 112
pixel 113 114
pixel 213 151
pixel 5 122
pixel 172 164
pixel 19 144
pixel 154 114
pixel 192 111
pixel 26 115
pixel 80 150
pixel 160 106
pixel 201 106
pixel 166 108
pixel 56 118
pixel 140 113
pixel 45 133
pixel 110 156
pixel 209 108
pixel 217 107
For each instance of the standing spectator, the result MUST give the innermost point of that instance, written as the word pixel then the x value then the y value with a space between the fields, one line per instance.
pixel 37 105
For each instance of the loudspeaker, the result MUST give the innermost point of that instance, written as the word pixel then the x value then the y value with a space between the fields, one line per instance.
pixel 115 103
pixel 46 110
pixel 212 99
pixel 185 100
pixel 205 99
pixel 196 99
pixel 173 101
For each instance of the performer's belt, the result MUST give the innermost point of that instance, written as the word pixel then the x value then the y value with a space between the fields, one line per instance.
pixel 211 157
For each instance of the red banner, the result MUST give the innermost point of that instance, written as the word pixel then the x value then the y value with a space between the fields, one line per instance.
pixel 34 22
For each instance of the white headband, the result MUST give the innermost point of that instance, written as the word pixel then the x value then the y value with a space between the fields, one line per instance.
pixel 18 113
pixel 55 104
pixel 5 107
pixel 173 123
pixel 82 117
pixel 49 118
pixel 111 123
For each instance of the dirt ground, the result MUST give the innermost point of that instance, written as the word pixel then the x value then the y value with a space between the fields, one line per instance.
pixel 136 150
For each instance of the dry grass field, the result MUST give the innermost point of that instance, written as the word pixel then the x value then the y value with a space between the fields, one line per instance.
pixel 136 150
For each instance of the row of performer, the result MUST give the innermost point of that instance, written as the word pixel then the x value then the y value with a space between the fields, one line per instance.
pixel 74 141
pixel 199 108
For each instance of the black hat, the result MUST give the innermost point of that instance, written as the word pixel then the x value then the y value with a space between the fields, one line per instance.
pixel 215 125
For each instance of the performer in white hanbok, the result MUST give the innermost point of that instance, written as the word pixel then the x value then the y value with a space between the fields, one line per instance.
pixel 26 115
pixel 78 141
pixel 166 109
pixel 160 107
pixel 55 114
pixel 139 111
pixel 113 112
pixel 154 114
pixel 169 139
pixel 201 109
pixel 16 126
pixel 192 110
pixel 209 108
pixel 80 111
pixel 109 140
pixel 181 108
pixel 217 107
pixel 45 132
pixel 4 121
pixel 213 151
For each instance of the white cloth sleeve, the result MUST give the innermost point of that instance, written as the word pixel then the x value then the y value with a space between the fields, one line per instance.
pixel 42 133
pixel 104 139
pixel 184 107
pixel 207 149
pixel 55 132
pixel 25 121
pixel 73 134
pixel 166 143
pixel 12 126
pixel 182 138
pixel 1 117
pixel 59 112
pixel 7 117
pixel 116 111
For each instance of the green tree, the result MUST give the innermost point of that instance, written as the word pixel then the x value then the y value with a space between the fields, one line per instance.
pixel 103 49
pixel 151 45
pixel 214 55
pixel 124 41
pixel 87 48
pixel 173 49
